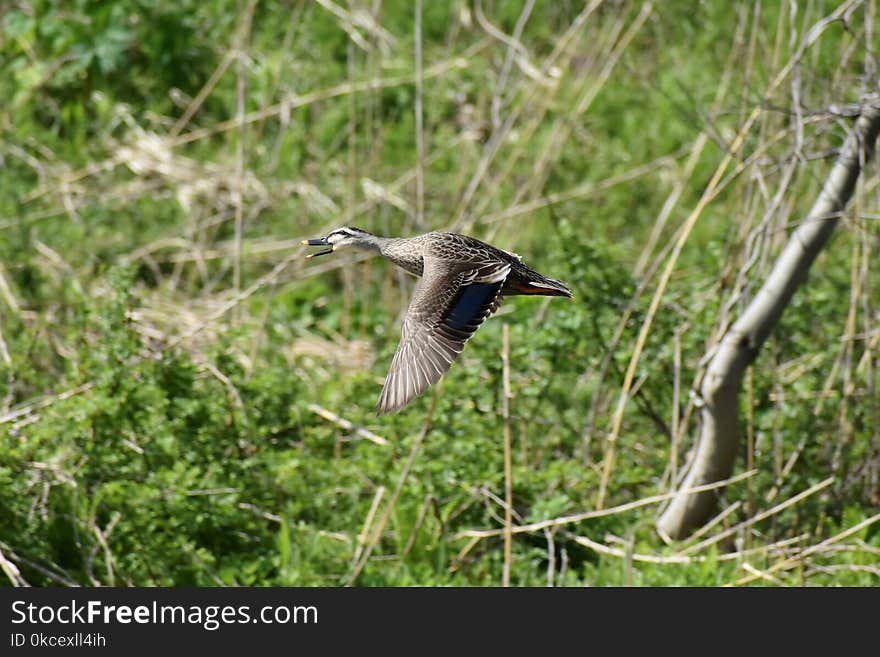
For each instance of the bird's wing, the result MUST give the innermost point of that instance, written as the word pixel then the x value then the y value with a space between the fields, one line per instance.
pixel 449 304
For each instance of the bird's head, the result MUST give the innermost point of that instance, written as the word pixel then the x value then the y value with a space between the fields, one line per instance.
pixel 342 238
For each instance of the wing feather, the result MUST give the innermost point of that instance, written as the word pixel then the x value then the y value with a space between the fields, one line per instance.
pixel 449 304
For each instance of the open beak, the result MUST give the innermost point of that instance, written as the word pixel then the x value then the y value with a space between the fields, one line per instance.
pixel 322 241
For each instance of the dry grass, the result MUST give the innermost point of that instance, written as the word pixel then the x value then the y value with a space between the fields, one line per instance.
pixel 205 279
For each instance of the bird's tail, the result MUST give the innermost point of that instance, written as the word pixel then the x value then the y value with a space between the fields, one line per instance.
pixel 548 287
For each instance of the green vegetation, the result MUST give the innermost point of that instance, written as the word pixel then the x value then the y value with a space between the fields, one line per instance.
pixel 167 390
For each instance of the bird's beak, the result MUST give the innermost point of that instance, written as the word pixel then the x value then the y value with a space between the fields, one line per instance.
pixel 321 241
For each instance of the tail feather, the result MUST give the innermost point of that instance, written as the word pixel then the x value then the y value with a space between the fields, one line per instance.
pixel 549 287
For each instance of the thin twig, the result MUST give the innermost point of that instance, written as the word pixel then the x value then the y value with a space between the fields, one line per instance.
pixel 702 545
pixel 508 468
pixel 241 89
pixel 368 523
pixel 348 426
pixel 420 129
pixel 799 557
pixel 44 402
pixel 598 513
pixel 11 571
pixel 420 519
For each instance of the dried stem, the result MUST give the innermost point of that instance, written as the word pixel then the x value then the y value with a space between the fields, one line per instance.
pixel 508 469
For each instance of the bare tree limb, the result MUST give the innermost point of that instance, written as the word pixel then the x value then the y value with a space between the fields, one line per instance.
pixel 719 439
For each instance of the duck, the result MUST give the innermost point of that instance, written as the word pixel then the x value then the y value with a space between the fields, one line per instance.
pixel 462 282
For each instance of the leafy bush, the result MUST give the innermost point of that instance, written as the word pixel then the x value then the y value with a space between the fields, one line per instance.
pixel 180 406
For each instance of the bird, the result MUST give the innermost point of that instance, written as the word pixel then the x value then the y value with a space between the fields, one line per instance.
pixel 462 281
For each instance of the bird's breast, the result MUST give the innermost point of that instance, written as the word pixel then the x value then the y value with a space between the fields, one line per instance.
pixel 406 258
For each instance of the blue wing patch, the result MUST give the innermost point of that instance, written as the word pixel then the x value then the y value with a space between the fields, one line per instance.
pixel 470 304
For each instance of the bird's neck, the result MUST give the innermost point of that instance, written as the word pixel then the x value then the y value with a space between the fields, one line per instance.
pixel 373 243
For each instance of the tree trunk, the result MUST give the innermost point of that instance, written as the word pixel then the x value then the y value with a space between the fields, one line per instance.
pixel 719 439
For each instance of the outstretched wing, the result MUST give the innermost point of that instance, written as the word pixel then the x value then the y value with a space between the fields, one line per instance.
pixel 449 304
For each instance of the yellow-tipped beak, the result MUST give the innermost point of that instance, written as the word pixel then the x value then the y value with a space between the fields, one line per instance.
pixel 321 241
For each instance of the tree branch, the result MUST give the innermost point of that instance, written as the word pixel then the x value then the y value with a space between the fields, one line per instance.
pixel 719 439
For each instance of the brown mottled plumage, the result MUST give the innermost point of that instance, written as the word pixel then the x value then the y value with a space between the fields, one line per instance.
pixel 462 282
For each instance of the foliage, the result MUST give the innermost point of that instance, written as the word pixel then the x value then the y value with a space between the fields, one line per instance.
pixel 165 387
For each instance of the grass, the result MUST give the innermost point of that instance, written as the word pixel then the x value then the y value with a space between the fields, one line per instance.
pixel 182 393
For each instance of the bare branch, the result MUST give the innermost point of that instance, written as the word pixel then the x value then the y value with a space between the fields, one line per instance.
pixel 719 440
